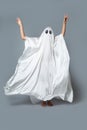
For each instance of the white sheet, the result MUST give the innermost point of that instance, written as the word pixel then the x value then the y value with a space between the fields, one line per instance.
pixel 42 71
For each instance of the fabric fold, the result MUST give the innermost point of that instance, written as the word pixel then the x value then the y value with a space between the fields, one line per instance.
pixel 42 71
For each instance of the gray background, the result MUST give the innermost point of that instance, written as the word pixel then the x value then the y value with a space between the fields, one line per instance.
pixel 17 112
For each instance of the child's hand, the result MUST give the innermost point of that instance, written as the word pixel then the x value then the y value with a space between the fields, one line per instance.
pixel 65 19
pixel 19 22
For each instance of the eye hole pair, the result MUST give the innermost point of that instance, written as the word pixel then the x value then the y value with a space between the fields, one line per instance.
pixel 50 32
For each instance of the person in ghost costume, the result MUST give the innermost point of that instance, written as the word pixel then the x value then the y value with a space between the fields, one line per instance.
pixel 42 71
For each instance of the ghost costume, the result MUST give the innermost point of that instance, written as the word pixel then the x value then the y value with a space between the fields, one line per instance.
pixel 42 71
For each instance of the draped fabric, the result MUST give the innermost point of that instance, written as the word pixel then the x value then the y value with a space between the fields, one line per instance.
pixel 42 71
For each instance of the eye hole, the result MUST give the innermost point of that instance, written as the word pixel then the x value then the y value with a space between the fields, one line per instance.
pixel 50 32
pixel 46 31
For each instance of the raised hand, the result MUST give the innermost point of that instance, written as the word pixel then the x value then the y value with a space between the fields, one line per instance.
pixel 65 18
pixel 64 24
pixel 19 22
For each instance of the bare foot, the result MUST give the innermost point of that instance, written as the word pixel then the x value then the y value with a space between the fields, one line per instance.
pixel 44 103
pixel 49 103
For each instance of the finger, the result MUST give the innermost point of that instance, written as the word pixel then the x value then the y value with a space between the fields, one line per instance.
pixel 65 16
pixel 16 20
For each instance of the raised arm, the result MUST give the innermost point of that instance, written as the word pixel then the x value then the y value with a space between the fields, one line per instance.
pixel 64 25
pixel 19 22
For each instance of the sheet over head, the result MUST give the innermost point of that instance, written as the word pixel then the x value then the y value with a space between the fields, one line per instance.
pixel 42 70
